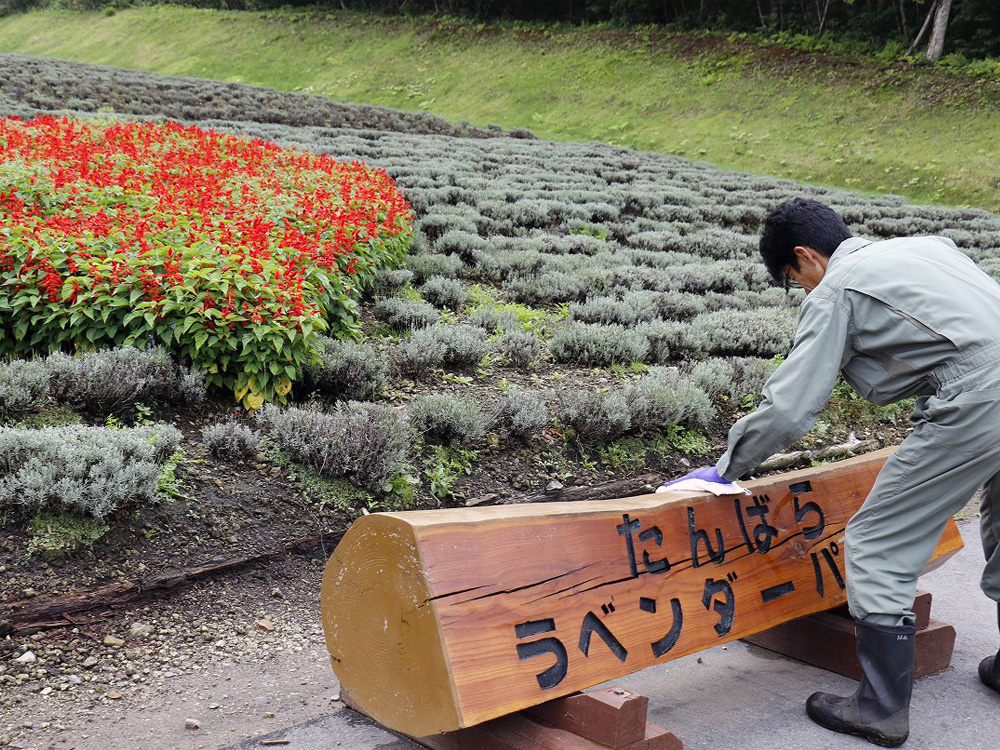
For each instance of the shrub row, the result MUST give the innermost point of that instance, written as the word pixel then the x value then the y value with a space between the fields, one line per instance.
pixel 102 383
pixel 50 84
pixel 656 401
pixel 91 470
pixel 763 332
pixel 440 345
pixel 368 444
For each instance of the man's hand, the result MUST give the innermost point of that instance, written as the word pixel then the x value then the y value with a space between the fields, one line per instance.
pixel 704 479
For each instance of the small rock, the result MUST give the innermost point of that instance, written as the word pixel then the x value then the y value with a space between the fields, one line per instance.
pixel 335 697
pixel 54 556
pixel 192 724
pixel 276 592
pixel 46 690
pixel 113 640
pixel 554 486
pixel 90 662
pixel 265 624
pixel 140 628
pixel 483 499
pixel 29 593
pixel 214 706
pixel 269 714
pixel 115 696
pixel 26 658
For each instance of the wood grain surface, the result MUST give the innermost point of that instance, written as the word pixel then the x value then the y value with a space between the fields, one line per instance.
pixel 437 620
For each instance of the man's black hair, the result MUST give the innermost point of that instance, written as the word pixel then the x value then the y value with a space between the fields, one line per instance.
pixel 800 222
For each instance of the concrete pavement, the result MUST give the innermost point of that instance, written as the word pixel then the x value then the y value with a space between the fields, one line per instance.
pixel 742 697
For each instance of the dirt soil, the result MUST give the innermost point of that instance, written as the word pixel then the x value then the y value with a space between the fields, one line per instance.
pixel 246 642
pixel 220 510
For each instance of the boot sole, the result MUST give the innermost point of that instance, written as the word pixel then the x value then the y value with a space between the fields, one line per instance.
pixel 874 737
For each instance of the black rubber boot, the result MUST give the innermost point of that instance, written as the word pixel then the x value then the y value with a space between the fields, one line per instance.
pixel 879 710
pixel 989 668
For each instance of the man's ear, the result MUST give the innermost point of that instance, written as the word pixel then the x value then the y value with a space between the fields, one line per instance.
pixel 804 253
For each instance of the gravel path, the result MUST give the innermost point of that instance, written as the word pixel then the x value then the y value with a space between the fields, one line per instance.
pixel 223 660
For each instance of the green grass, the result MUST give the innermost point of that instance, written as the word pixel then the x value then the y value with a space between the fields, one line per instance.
pixel 730 105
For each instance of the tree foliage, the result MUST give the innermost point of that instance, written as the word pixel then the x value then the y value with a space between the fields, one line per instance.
pixel 973 28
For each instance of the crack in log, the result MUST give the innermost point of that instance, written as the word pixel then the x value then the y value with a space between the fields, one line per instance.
pixel 574 589
pixel 515 589
pixel 456 593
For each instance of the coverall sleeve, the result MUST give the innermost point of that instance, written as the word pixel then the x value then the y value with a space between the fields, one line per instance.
pixel 796 393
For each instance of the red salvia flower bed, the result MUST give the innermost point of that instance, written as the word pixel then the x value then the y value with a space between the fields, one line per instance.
pixel 229 252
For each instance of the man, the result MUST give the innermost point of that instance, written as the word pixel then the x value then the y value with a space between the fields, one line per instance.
pixel 898 318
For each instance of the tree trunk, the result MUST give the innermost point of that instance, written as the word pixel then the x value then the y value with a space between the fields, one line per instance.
pixel 904 30
pixel 923 29
pixel 774 14
pixel 935 46
pixel 822 17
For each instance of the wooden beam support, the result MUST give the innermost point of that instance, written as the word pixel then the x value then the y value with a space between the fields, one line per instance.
pixel 438 620
pixel 827 640
pixel 605 719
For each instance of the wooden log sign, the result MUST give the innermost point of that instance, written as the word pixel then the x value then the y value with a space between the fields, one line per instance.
pixel 438 620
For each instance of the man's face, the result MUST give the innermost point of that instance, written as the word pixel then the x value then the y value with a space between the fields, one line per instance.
pixel 811 270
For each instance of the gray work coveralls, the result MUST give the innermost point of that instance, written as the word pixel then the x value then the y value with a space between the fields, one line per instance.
pixel 899 318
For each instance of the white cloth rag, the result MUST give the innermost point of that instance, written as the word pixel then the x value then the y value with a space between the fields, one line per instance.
pixel 693 486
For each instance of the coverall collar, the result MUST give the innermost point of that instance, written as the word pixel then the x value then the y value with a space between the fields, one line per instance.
pixel 847 247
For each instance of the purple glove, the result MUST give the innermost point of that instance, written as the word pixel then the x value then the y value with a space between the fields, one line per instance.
pixel 706 479
pixel 704 473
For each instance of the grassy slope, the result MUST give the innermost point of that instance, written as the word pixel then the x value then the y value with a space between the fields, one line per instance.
pixel 815 123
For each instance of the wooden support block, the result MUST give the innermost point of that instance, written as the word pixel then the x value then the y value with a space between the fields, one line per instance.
pixel 827 640
pixel 519 732
pixel 921 609
pixel 611 717
pixel 439 620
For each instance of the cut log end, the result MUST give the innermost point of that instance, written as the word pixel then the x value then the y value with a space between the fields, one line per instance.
pixel 376 599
